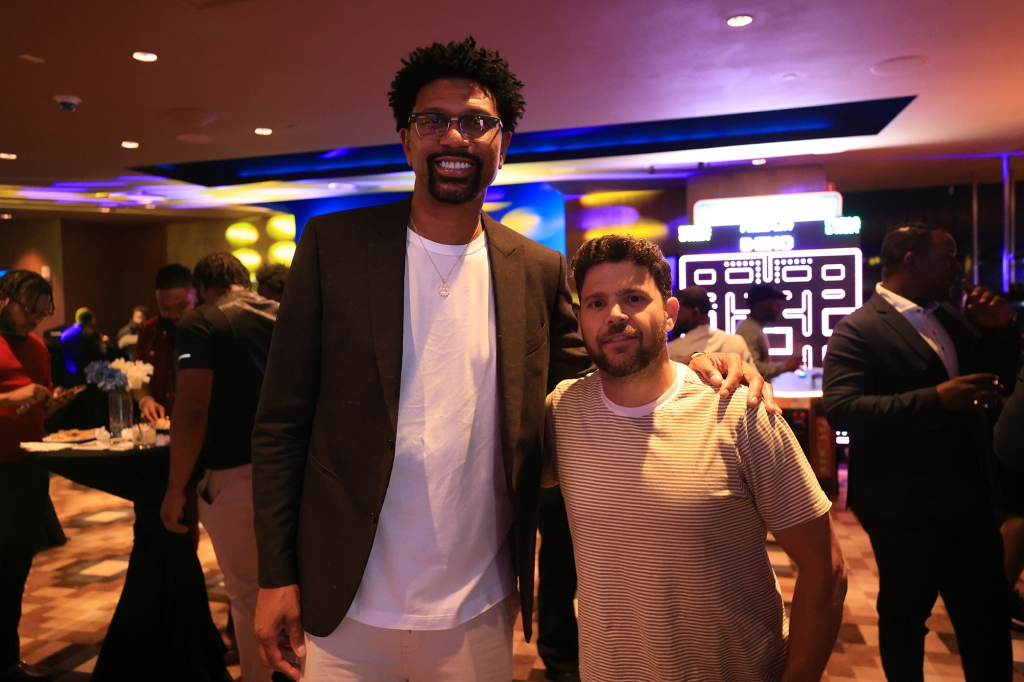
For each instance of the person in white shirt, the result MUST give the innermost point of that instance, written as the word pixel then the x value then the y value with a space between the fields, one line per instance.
pixel 693 323
pixel 670 492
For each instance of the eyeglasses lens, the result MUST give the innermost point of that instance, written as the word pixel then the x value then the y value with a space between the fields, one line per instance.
pixel 436 126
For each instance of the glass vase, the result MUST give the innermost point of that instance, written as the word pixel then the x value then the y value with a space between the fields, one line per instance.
pixel 121 409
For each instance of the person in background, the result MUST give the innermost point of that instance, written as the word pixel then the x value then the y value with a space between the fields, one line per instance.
pixel 693 322
pixel 670 491
pixel 270 280
pixel 175 296
pixel 765 305
pixel 82 345
pixel 128 335
pixel 909 378
pixel 26 399
pixel 1008 439
pixel 222 347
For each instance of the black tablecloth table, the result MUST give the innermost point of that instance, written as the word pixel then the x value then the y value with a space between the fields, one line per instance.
pixel 162 629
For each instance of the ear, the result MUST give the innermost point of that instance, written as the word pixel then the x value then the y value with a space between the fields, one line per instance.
pixel 405 137
pixel 909 261
pixel 671 313
pixel 506 140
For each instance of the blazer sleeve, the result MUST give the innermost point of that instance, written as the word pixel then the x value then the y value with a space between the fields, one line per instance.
pixel 1008 439
pixel 850 396
pixel 569 358
pixel 284 420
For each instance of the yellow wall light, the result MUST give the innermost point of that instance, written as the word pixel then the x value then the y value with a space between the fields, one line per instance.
pixel 630 198
pixel 281 227
pixel 241 234
pixel 281 253
pixel 645 228
pixel 250 259
pixel 522 220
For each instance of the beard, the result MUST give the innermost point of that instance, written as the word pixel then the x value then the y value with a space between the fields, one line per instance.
pixel 454 190
pixel 635 363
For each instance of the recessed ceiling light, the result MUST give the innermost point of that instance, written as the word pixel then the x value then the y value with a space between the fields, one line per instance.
pixel 128 144
pixel 5 216
pixel 150 205
pixel 739 20
pixel 263 131
pixel 104 209
pixel 7 156
pixel 144 56
pixel 759 162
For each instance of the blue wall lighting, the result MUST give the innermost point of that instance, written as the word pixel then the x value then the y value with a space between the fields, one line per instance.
pixel 535 210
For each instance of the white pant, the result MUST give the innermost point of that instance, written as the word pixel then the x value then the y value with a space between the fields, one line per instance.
pixel 479 650
pixel 225 510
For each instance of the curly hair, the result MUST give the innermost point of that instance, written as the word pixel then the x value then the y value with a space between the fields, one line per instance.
pixel 457 60
pixel 27 287
pixel 273 276
pixel 619 248
pixel 220 270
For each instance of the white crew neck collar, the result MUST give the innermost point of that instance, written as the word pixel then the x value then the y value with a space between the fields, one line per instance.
pixel 649 408
pixel 416 239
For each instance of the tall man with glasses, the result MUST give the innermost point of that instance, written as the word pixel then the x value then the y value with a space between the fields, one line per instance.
pixel 396 454
pixel 26 399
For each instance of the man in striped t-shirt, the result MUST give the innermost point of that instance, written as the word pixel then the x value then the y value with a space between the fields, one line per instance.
pixel 670 490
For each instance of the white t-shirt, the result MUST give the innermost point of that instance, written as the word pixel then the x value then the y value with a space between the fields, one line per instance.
pixel 440 556
pixel 668 505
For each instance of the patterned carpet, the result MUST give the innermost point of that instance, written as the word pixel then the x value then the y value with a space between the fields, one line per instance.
pixel 72 592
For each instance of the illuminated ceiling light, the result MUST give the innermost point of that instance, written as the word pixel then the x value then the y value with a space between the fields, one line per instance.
pixel 128 144
pixel 759 162
pixel 144 56
pixel 739 20
pixel 281 227
pixel 281 253
pixel 104 209
pixel 6 156
pixel 150 205
pixel 241 234
pixel 263 131
pixel 250 259
pixel 5 216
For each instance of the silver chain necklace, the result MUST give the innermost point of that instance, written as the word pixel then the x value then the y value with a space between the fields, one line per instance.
pixel 443 289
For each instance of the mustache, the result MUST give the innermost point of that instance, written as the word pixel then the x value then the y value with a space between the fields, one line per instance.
pixel 621 328
pixel 454 153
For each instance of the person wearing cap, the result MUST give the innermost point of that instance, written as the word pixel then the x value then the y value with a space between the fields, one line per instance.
pixel 693 323
pixel 765 306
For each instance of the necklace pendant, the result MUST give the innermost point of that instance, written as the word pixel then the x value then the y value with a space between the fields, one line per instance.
pixel 444 289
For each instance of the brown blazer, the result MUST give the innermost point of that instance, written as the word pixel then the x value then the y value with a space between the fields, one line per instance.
pixel 324 440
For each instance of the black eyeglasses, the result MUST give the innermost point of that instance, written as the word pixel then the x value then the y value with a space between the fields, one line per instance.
pixel 33 315
pixel 434 126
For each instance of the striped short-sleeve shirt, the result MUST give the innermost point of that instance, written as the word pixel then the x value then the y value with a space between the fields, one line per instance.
pixel 669 504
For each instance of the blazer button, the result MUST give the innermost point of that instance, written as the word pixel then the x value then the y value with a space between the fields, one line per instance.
pixel 373 517
pixel 391 445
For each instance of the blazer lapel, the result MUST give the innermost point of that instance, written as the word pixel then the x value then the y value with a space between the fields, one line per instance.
pixel 508 273
pixel 385 244
pixel 906 330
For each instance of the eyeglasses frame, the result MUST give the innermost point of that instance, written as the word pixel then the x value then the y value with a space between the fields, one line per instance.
pixel 462 131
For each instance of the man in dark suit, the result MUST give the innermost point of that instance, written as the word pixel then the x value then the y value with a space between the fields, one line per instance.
pixel 904 375
pixel 414 348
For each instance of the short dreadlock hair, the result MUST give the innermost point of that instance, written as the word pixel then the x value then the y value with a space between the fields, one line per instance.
pixel 457 60
pixel 27 287
pixel 620 248
pixel 220 269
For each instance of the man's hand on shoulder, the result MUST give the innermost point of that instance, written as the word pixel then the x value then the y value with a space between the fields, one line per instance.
pixel 726 371
pixel 986 308
pixel 279 631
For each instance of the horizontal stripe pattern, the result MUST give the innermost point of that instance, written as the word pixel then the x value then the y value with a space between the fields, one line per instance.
pixel 669 514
